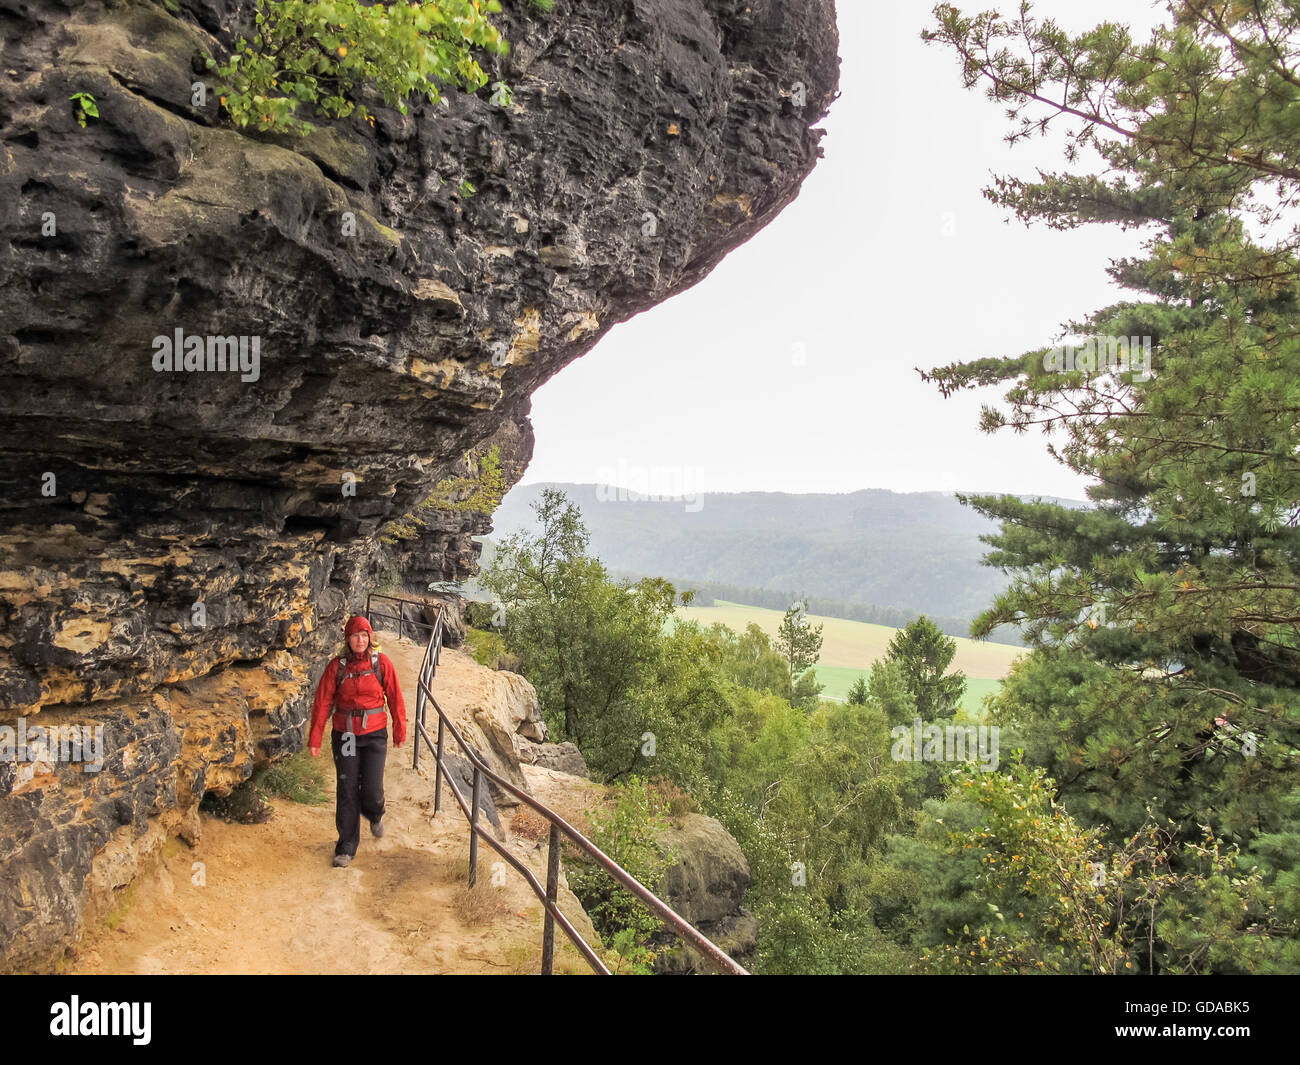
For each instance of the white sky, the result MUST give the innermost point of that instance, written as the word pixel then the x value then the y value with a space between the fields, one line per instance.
pixel 889 259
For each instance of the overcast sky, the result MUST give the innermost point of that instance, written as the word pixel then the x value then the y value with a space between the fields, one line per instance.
pixel 790 368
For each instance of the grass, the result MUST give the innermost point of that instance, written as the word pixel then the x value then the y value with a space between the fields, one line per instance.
pixel 850 648
pixel 477 905
pixel 480 904
pixel 529 824
pixel 522 959
pixel 525 959
pixel 839 680
pixel 450 868
pixel 121 906
pixel 483 904
pixel 976 690
pixel 300 778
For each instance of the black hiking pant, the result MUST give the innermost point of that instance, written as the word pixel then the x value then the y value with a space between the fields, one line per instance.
pixel 360 785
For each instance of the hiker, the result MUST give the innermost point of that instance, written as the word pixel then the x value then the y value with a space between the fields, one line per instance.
pixel 353 689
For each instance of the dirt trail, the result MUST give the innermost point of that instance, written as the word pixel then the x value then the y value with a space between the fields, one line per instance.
pixel 273 903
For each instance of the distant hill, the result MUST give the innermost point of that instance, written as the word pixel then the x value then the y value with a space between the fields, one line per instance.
pixel 886 556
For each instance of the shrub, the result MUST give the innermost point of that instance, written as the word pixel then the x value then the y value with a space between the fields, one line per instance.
pixel 327 53
pixel 677 803
pixel 486 647
pixel 628 832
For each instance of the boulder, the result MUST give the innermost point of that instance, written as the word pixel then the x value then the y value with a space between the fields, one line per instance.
pixel 497 713
pixel 709 879
pixel 706 885
pixel 562 757
pixel 735 934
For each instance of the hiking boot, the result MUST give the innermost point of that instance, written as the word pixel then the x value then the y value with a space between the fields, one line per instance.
pixel 341 860
pixel 377 826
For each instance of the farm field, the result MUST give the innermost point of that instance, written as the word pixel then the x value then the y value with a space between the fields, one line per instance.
pixel 850 647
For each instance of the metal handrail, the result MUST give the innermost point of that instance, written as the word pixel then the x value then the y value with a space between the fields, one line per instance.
pixel 558 827
pixel 371 614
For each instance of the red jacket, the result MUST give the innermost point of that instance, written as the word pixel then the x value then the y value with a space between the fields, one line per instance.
pixel 358 693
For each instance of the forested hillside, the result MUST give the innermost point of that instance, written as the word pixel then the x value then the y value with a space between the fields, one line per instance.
pixel 900 554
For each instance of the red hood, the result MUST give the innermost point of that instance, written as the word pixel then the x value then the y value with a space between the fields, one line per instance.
pixel 358 624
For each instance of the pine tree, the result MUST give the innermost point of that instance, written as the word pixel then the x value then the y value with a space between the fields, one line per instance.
pixel 923 653
pixel 1165 616
pixel 800 643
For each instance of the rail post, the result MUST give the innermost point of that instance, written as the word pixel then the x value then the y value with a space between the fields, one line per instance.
pixel 473 833
pixel 415 732
pixel 552 893
pixel 437 773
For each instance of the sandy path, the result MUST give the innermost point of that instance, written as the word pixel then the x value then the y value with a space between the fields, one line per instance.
pixel 271 901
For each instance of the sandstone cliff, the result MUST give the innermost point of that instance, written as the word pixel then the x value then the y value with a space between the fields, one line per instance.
pixel 178 550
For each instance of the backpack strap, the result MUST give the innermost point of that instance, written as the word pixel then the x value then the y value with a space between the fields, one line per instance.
pixel 342 675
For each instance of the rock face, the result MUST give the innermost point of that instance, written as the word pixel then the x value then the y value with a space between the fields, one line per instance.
pixel 176 546
pixel 496 712
pixel 563 757
pixel 706 885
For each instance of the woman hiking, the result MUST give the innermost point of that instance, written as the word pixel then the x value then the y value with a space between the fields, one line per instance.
pixel 353 690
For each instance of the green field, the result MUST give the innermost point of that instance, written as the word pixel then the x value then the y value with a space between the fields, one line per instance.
pixel 849 648
pixel 839 679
